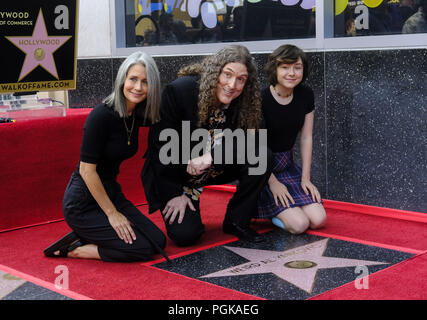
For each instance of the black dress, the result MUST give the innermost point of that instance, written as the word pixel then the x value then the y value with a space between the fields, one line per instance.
pixel 105 143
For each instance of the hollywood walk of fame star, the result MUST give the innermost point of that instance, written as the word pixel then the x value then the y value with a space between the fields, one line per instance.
pixel 297 266
pixel 39 48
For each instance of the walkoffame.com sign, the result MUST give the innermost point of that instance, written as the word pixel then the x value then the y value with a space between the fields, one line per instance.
pixel 38 43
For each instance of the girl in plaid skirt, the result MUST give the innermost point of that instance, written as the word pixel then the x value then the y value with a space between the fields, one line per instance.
pixel 289 199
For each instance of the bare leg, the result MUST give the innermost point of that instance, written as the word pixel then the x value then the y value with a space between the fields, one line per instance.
pixel 88 251
pixel 294 220
pixel 316 214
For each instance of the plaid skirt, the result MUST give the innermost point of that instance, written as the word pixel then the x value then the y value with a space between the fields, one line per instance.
pixel 288 173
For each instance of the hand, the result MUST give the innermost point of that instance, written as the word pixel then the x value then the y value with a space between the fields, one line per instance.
pixel 280 193
pixel 307 186
pixel 122 227
pixel 177 206
pixel 197 166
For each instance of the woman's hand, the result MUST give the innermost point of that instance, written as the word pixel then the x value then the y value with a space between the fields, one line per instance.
pixel 308 187
pixel 280 192
pixel 197 166
pixel 122 227
pixel 177 206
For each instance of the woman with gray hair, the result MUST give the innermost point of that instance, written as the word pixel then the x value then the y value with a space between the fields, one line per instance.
pixel 105 224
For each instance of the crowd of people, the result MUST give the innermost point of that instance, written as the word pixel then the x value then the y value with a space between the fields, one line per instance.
pixel 213 98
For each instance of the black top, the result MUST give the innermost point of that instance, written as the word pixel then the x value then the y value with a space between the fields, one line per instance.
pixel 105 141
pixel 283 122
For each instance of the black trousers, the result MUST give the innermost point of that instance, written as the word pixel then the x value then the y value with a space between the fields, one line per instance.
pixel 240 209
pixel 84 216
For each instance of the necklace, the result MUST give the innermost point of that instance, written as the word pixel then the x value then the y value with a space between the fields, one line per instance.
pixel 129 132
pixel 282 96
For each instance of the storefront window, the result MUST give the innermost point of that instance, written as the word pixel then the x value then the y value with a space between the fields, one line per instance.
pixel 181 27
pixel 176 22
pixel 379 17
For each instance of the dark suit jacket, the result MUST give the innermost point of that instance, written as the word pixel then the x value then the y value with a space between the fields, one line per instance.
pixel 179 103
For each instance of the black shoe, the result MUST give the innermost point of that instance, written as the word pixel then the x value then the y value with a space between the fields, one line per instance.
pixel 243 233
pixel 64 245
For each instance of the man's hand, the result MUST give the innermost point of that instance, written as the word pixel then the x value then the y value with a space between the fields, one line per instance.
pixel 197 166
pixel 177 206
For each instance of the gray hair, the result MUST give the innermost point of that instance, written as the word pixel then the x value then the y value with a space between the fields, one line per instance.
pixel 117 100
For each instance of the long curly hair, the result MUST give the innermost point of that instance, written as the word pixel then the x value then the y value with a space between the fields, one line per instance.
pixel 247 106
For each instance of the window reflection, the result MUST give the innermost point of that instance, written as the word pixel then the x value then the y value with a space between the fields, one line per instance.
pixel 200 21
pixel 379 17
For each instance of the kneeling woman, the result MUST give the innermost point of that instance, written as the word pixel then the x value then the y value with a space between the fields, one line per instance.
pixel 290 199
pixel 105 224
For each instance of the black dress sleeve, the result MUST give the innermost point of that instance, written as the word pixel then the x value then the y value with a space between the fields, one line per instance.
pixel 95 135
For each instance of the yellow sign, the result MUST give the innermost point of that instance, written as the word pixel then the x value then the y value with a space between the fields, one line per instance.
pixel 372 3
pixel 340 5
pixel 38 86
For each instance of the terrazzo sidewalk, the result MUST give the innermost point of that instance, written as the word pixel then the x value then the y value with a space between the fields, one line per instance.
pixel 14 288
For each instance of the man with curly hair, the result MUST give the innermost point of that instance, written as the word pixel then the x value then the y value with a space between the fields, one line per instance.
pixel 220 93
